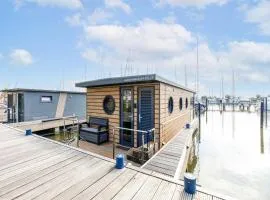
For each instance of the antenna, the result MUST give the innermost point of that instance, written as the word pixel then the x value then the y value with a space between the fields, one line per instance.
pixel 85 72
pixel 233 88
pixel 222 87
pixel 186 85
pixel 175 76
pixel 197 80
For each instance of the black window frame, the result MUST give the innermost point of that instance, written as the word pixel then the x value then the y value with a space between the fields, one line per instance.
pixel 181 103
pixel 46 96
pixel 106 100
pixel 170 105
pixel 186 103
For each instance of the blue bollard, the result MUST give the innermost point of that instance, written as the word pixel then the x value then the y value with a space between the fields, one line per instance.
pixel 187 126
pixel 189 183
pixel 28 132
pixel 119 161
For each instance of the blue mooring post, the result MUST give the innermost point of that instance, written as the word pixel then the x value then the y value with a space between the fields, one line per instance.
pixel 262 109
pixel 28 132
pixel 120 164
pixel 189 183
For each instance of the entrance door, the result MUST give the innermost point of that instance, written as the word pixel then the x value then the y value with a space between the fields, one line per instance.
pixel 126 136
pixel 20 107
pixel 145 112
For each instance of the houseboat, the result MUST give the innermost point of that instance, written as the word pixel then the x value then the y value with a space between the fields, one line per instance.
pixel 35 104
pixel 140 103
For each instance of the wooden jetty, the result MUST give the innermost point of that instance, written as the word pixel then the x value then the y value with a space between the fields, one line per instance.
pixel 33 167
pixel 40 125
pixel 172 159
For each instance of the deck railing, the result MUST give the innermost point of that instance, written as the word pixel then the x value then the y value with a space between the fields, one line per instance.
pixel 143 133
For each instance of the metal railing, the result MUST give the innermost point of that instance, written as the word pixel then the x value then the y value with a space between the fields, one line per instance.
pixel 143 133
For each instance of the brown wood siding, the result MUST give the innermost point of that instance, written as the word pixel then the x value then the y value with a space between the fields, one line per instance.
pixel 95 97
pixel 172 123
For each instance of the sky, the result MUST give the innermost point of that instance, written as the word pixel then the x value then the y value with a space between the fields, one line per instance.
pixel 52 44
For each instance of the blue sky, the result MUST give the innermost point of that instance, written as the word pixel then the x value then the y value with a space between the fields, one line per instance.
pixel 54 43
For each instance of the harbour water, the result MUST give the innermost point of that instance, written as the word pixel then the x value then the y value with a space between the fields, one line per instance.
pixel 231 156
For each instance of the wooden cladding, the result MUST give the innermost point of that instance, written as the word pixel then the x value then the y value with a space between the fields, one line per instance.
pixel 172 123
pixel 166 124
pixel 94 101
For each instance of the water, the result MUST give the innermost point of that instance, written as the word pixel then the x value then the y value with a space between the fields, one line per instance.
pixel 69 138
pixel 232 155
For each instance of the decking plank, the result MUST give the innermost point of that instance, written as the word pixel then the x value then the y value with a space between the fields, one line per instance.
pixel 95 175
pixel 165 191
pixel 99 186
pixel 14 184
pixel 148 190
pixel 26 157
pixel 32 166
pixel 15 169
pixel 26 190
pixel 168 160
pixel 71 179
pixel 114 187
pixel 160 170
pixel 132 187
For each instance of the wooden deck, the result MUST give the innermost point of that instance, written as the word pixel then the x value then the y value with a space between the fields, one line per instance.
pixel 171 160
pixel 33 167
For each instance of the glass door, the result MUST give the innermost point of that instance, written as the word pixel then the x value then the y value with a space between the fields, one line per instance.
pixel 127 136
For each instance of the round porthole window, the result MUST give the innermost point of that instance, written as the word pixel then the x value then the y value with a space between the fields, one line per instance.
pixel 186 102
pixel 181 103
pixel 109 104
pixel 170 105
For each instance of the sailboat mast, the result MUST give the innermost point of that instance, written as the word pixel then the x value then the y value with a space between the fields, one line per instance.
pixel 197 81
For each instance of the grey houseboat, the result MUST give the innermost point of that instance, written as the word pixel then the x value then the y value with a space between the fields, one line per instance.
pixel 34 104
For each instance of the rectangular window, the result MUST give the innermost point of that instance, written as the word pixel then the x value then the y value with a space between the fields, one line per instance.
pixel 46 99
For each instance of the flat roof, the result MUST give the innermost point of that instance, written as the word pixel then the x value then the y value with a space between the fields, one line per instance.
pixel 149 78
pixel 40 90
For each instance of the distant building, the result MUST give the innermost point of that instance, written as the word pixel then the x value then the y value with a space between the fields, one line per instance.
pixel 33 104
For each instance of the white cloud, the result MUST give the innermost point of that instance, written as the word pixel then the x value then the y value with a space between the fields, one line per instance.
pixel 148 37
pixel 21 57
pixel 191 3
pixel 1 56
pixel 256 77
pixel 250 52
pixel 74 20
pixel 118 4
pixel 160 47
pixel 70 4
pixel 99 16
pixel 260 15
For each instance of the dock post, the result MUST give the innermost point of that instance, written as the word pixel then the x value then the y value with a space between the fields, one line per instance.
pixel 262 109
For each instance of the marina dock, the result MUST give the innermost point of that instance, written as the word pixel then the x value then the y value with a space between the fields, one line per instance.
pixel 40 125
pixel 36 167
pixel 172 158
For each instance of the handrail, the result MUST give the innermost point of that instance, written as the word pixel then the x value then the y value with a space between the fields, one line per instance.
pixel 134 130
